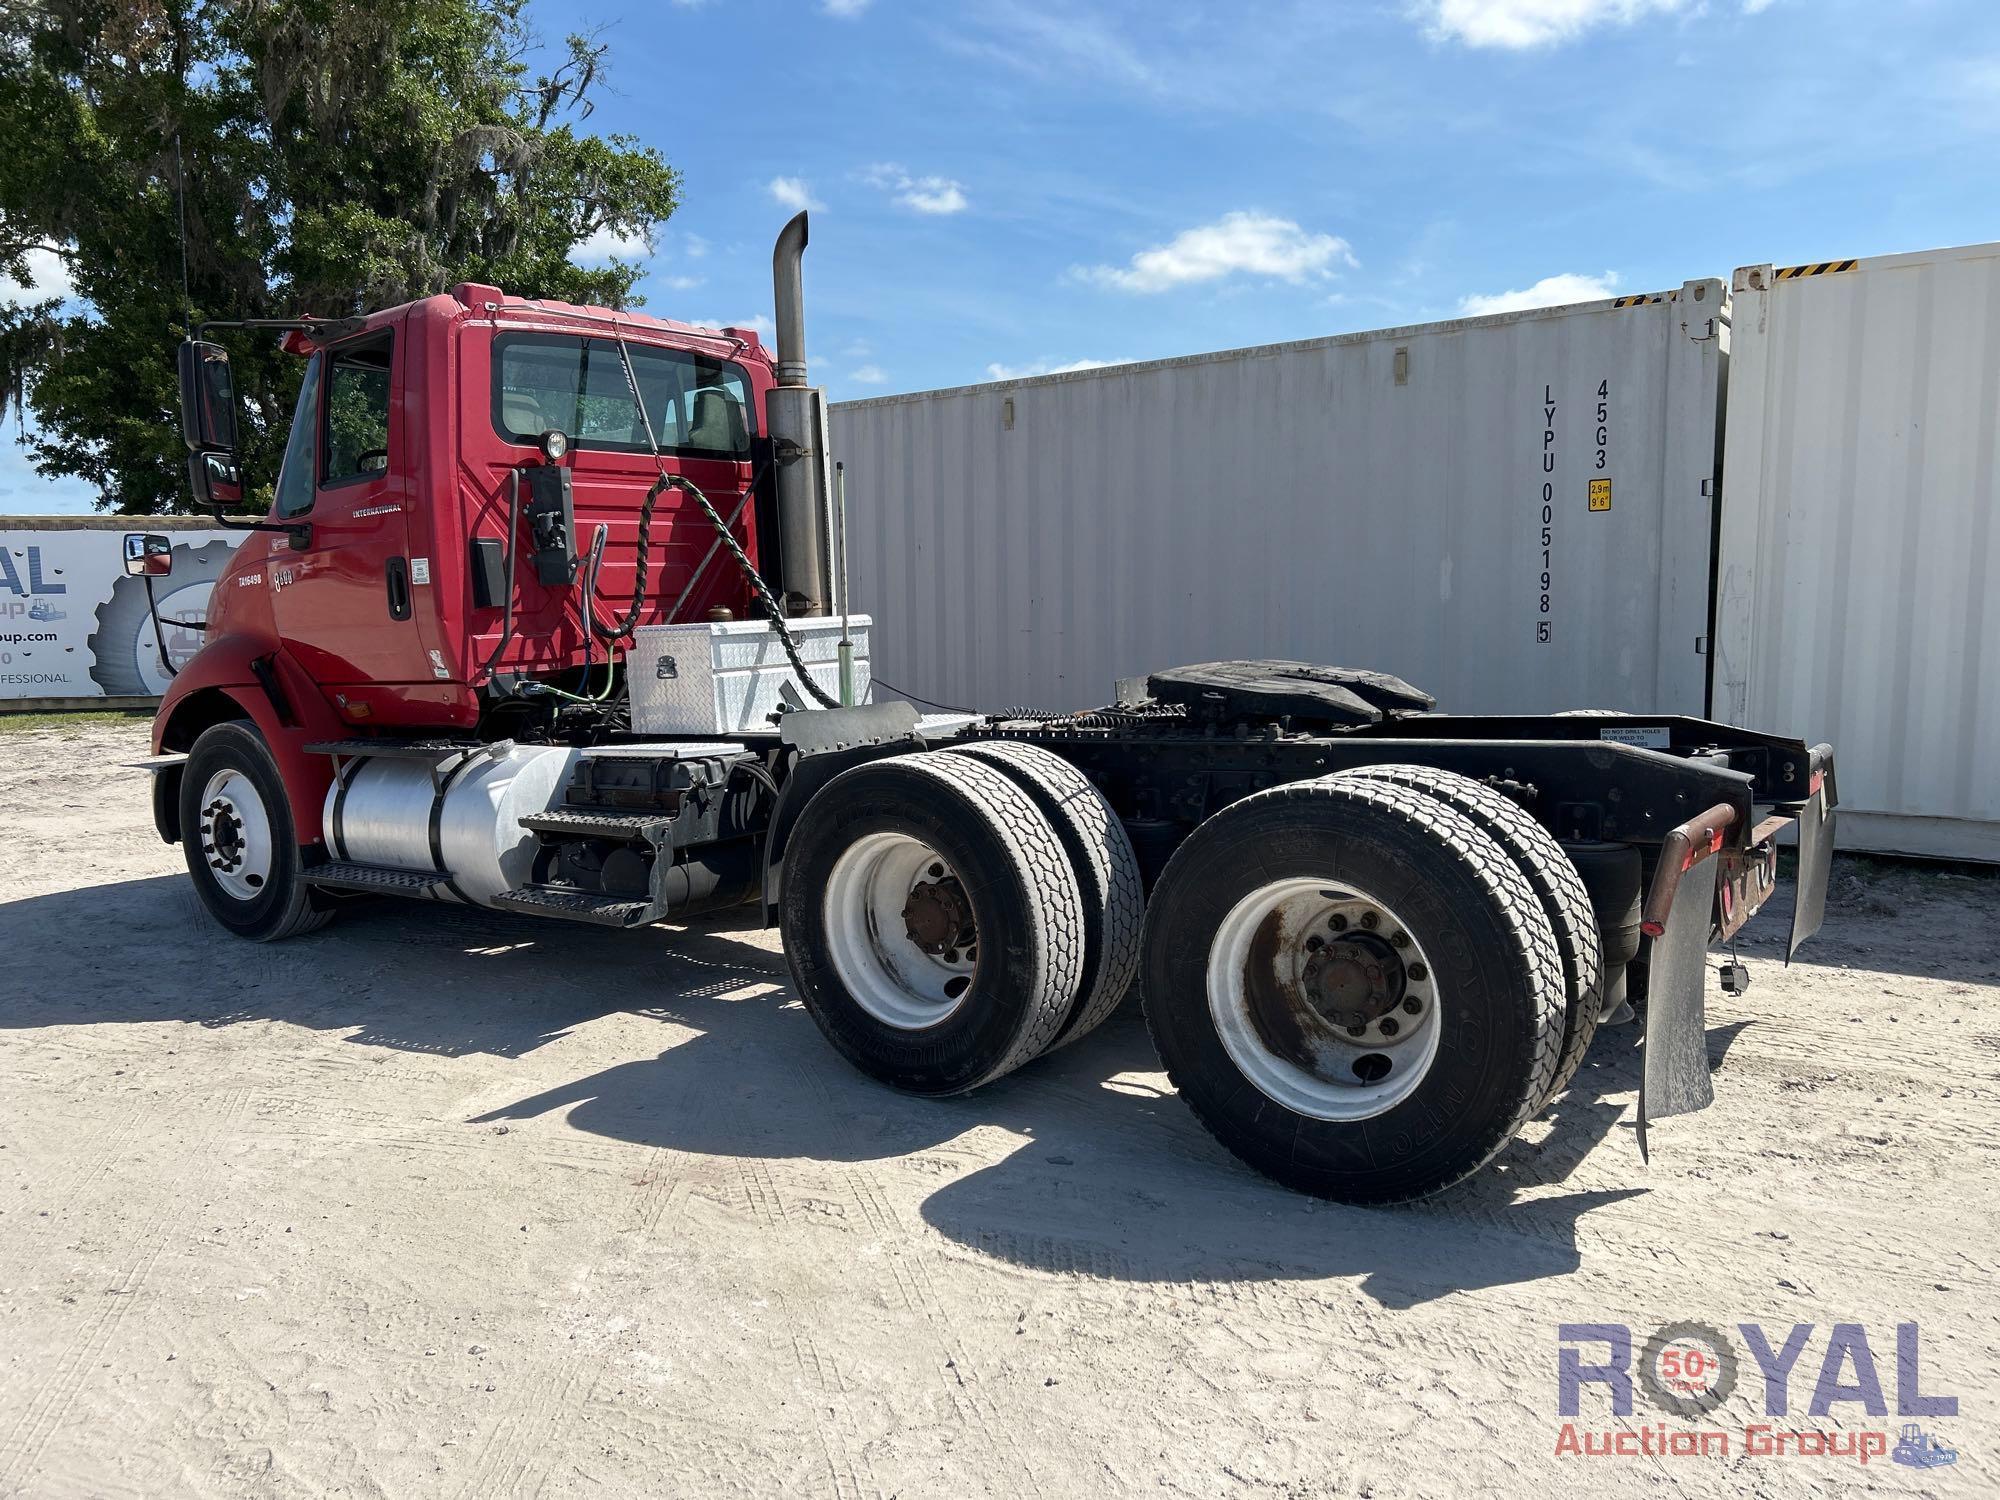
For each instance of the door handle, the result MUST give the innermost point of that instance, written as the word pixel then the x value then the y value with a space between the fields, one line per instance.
pixel 397 573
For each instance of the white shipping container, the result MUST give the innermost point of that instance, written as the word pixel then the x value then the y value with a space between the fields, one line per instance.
pixel 1511 512
pixel 1859 548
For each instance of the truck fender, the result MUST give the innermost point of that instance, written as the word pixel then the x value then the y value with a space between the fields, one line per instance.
pixel 239 677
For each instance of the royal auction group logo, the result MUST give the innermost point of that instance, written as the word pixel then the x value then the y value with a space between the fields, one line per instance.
pixel 1688 1370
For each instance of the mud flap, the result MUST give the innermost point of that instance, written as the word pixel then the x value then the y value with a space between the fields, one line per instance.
pixel 1815 866
pixel 1675 1080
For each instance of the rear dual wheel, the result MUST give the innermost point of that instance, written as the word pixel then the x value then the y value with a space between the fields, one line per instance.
pixel 1354 987
pixel 932 922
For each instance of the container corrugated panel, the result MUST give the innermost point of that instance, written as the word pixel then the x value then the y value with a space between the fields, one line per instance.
pixel 1859 547
pixel 1369 500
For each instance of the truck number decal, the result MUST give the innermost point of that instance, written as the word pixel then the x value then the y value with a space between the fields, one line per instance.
pixel 1600 489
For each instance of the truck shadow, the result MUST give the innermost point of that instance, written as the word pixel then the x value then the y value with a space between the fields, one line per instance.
pixel 1108 1174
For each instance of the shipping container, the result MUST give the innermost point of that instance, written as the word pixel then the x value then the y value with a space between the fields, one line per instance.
pixel 73 626
pixel 1859 552
pixel 1512 512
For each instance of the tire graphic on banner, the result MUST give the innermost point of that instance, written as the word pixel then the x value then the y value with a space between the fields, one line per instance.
pixel 125 654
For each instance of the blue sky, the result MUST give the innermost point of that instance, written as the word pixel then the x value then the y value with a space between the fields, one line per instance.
pixel 1008 186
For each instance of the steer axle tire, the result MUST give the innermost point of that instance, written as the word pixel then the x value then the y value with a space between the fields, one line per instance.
pixel 1353 987
pixel 931 921
pixel 1107 873
pixel 236 833
pixel 1559 887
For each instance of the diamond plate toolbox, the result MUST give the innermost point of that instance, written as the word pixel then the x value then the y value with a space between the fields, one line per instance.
pixel 724 677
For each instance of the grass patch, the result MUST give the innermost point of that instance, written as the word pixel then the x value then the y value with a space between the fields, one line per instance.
pixel 71 721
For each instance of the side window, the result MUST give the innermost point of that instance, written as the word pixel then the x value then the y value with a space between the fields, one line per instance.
pixel 295 473
pixel 357 413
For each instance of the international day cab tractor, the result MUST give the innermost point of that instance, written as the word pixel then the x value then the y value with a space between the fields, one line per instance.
pixel 548 616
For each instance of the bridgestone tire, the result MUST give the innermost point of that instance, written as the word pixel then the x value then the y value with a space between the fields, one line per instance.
pixel 1107 871
pixel 285 907
pixel 1564 897
pixel 1498 984
pixel 1024 900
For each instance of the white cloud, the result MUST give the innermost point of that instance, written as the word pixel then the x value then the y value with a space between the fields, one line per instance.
pixel 682 283
pixel 693 246
pixel 1048 367
pixel 47 276
pixel 845 10
pixel 869 375
pixel 924 195
pixel 1550 291
pixel 1256 244
pixel 1533 23
pixel 792 193
pixel 606 244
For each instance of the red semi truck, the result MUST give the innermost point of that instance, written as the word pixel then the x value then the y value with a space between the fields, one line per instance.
pixel 546 616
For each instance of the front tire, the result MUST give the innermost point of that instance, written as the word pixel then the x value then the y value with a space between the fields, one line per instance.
pixel 237 836
pixel 1353 987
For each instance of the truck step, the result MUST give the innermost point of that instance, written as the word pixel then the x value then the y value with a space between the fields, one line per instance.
pixel 633 828
pixel 343 875
pixel 432 750
pixel 579 906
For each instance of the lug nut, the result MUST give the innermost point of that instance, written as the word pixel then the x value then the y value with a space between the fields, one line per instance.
pixel 1357 1031
pixel 1315 943
pixel 1369 920
pixel 1389 1026
pixel 1337 922
pixel 1400 939
pixel 937 872
pixel 1412 1005
pixel 1418 971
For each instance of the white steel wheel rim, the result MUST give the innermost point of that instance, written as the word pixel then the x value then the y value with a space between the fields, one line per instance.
pixel 236 837
pixel 883 966
pixel 1287 976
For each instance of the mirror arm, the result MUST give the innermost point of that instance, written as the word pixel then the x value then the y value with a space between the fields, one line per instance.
pixel 299 531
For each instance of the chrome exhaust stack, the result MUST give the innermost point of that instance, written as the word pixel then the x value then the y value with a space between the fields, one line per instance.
pixel 796 418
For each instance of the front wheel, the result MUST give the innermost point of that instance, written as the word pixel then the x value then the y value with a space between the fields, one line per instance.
pixel 236 831
pixel 1353 987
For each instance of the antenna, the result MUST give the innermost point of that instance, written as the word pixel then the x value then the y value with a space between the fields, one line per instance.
pixel 181 201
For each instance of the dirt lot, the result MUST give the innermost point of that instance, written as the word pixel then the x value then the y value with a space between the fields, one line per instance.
pixel 437 1203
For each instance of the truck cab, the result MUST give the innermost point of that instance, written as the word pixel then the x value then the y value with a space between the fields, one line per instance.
pixel 405 454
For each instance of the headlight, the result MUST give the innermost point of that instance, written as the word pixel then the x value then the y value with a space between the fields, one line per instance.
pixel 554 445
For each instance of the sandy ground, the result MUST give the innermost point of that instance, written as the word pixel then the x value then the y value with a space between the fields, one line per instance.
pixel 437 1203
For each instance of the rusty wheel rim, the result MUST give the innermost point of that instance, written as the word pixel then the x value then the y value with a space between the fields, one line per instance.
pixel 900 932
pixel 1324 998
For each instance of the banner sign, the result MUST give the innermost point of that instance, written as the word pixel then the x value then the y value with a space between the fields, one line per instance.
pixel 72 625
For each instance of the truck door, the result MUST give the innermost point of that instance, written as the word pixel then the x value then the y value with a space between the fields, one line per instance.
pixel 347 605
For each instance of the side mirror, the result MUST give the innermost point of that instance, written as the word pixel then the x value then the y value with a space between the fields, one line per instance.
pixel 208 398
pixel 148 554
pixel 208 424
pixel 216 482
